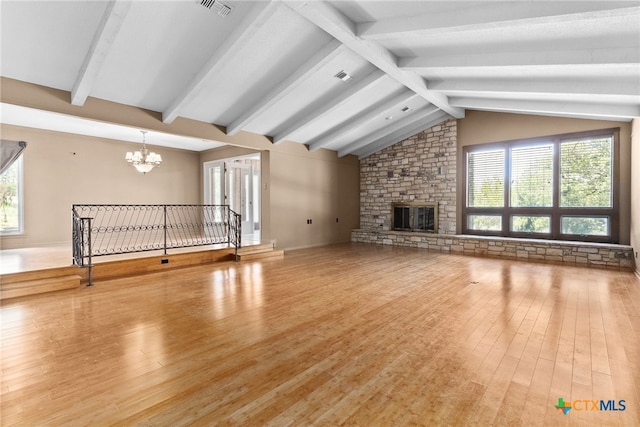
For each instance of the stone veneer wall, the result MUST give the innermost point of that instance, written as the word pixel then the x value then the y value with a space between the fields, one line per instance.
pixel 576 253
pixel 421 168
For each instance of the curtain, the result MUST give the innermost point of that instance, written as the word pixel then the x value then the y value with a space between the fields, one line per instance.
pixel 9 152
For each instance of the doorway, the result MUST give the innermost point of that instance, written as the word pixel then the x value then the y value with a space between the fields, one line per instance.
pixel 236 182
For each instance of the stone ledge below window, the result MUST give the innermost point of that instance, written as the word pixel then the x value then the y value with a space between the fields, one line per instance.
pixel 603 255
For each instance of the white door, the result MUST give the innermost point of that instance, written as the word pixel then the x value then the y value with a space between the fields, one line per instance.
pixel 214 183
pixel 239 192
pixel 237 184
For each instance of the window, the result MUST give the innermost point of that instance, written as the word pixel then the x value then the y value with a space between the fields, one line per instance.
pixel 485 179
pixel 11 198
pixel 559 187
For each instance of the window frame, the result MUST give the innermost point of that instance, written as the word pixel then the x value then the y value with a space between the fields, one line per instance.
pixel 20 194
pixel 555 211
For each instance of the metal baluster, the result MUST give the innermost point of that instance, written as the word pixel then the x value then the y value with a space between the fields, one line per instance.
pixel 165 228
pixel 90 250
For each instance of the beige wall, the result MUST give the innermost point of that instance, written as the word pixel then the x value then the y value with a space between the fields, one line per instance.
pixel 61 169
pixel 635 190
pixel 298 185
pixel 317 186
pixel 479 127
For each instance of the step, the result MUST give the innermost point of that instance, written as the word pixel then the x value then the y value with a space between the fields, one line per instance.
pixel 263 247
pixel 39 286
pixel 107 270
pixel 267 254
pixel 48 280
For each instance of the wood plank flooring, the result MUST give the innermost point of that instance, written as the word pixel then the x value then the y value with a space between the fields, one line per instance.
pixel 348 334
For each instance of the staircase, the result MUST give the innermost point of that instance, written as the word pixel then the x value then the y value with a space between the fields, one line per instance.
pixel 257 252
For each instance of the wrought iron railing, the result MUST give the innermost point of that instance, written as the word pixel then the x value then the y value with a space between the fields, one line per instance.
pixel 100 230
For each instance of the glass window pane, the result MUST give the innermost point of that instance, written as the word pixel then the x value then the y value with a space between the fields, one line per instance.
pixel 216 180
pixel 484 222
pixel 531 224
pixel 400 217
pixel 423 218
pixel 587 226
pixel 10 196
pixel 586 173
pixel 532 176
pixel 485 178
pixel 419 218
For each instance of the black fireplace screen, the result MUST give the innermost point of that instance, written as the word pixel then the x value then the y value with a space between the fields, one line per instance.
pixel 410 217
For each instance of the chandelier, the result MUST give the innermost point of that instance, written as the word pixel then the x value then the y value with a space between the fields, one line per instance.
pixel 143 160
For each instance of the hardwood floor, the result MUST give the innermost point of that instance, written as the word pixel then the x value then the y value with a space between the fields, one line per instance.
pixel 343 335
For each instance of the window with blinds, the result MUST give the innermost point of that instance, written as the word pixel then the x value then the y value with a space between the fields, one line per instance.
pixel 532 176
pixel 485 178
pixel 557 187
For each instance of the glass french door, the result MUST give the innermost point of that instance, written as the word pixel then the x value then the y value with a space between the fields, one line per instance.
pixel 236 182
pixel 239 191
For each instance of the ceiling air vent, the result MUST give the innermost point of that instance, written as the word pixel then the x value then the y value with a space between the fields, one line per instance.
pixel 222 9
pixel 343 76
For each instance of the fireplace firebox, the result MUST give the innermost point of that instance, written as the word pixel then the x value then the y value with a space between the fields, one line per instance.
pixel 422 216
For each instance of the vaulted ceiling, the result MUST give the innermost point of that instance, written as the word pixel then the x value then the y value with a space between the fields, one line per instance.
pixel 273 67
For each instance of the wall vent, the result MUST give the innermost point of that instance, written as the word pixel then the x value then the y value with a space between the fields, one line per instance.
pixel 215 5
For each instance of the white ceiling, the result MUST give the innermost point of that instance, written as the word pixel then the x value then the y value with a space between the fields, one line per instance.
pixel 268 66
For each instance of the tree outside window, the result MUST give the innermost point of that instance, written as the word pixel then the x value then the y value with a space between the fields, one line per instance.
pixel 10 199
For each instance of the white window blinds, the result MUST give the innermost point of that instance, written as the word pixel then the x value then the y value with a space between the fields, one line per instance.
pixel 532 176
pixel 485 178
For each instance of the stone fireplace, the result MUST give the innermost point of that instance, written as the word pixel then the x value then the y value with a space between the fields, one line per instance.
pixel 419 169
